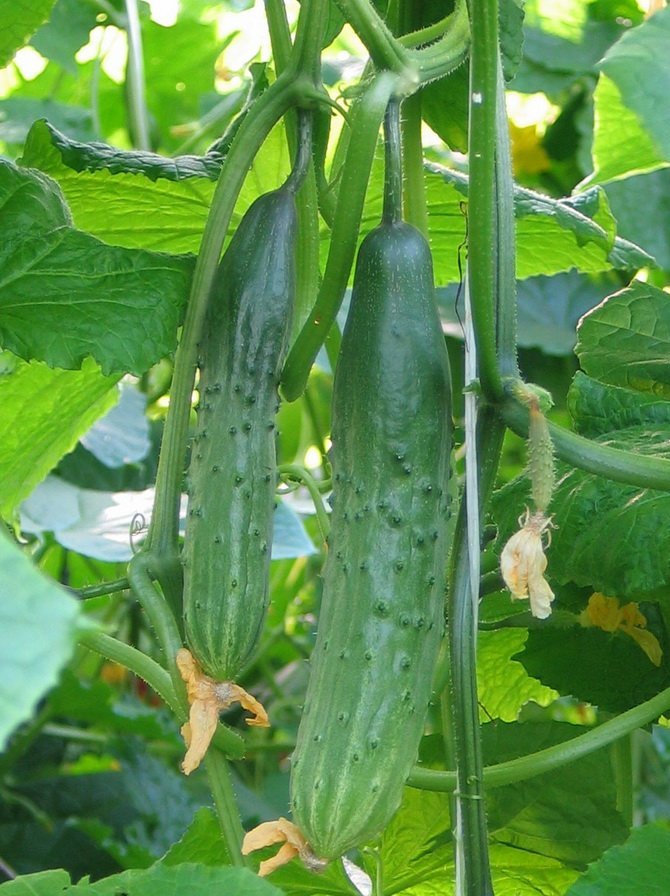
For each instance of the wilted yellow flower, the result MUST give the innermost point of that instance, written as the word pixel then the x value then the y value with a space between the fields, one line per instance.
pixel 606 613
pixel 207 698
pixel 523 563
pixel 294 844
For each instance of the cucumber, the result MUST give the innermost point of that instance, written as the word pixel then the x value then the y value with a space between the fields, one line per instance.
pixel 381 618
pixel 232 472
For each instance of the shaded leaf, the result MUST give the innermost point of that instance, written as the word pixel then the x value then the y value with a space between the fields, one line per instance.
pixel 19 113
pixel 67 30
pixel 621 145
pixel 38 621
pixel 567 814
pixel 607 670
pixel 641 206
pixel 625 341
pixel 597 408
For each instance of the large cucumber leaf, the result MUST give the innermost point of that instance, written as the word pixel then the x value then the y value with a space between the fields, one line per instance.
pixel 64 295
pixel 45 412
pixel 39 623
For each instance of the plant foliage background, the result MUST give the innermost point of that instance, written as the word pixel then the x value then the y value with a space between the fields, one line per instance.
pixel 91 798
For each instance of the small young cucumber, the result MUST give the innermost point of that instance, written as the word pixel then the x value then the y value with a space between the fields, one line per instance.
pixel 381 619
pixel 232 473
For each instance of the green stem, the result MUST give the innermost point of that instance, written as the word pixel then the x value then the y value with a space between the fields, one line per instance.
pixel 356 171
pixel 140 576
pixel 602 460
pixel 294 471
pixel 447 53
pixel 137 662
pixel 303 151
pixel 139 119
pixel 218 774
pixel 416 208
pixel 551 758
pixel 385 51
pixel 169 639
pixel 472 840
pixel 483 256
pixel 506 239
pixel 103 588
pixel 392 204
pixel 280 34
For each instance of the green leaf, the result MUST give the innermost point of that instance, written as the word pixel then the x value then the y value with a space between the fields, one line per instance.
pixel 503 685
pixel 625 341
pixel 65 295
pixel 517 872
pixel 201 842
pixel 44 883
pixel 95 156
pixel 638 65
pixel 134 211
pixel 45 411
pixel 549 309
pixel 567 814
pixel 639 866
pixel 38 622
pixel 417 843
pixel 159 880
pixel 597 409
pixel 552 235
pixel 18 20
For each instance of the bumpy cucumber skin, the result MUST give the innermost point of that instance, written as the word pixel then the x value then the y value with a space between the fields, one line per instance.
pixel 381 620
pixel 232 473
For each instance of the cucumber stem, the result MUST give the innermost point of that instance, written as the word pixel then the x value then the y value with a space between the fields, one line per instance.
pixel 221 786
pixel 602 460
pixel 137 106
pixel 344 237
pixel 295 471
pixel 392 207
pixel 484 252
pixel 303 155
pixel 554 757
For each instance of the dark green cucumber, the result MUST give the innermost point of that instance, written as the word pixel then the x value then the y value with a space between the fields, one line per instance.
pixel 232 473
pixel 381 619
